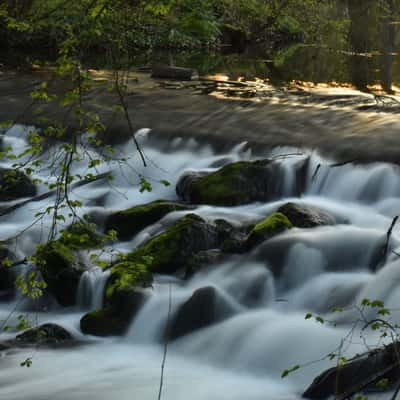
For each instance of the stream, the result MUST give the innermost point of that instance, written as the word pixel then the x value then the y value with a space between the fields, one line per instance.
pixel 243 356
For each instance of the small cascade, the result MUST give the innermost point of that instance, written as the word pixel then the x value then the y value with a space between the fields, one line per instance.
pixel 91 289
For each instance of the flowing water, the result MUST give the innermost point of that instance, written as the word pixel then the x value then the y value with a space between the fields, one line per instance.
pixel 242 357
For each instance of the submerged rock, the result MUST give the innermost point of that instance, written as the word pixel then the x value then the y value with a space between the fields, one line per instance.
pixel 273 225
pixel 234 184
pixel 361 374
pixel 15 185
pixel 205 307
pixel 303 216
pixel 61 270
pixel 47 334
pixel 128 223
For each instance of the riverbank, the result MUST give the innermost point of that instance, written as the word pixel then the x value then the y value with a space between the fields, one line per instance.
pixel 340 123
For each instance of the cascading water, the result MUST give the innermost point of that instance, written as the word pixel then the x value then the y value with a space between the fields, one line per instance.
pixel 267 291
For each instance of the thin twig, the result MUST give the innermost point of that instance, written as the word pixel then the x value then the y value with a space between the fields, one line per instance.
pixel 166 340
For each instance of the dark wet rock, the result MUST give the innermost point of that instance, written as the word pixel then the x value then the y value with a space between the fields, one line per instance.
pixel 273 225
pixel 303 216
pixel 47 334
pixel 234 184
pixel 128 223
pixel 115 319
pixel 15 185
pixel 360 374
pixel 204 259
pixel 7 277
pixel 61 269
pixel 205 307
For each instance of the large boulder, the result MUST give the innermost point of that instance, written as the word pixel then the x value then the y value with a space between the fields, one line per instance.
pixel 234 184
pixel 273 225
pixel 303 216
pixel 46 334
pixel 170 250
pixel 362 374
pixel 61 269
pixel 205 307
pixel 15 185
pixel 128 223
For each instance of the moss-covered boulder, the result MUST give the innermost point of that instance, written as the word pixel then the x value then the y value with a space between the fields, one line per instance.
pixel 15 185
pixel 273 225
pixel 234 184
pixel 128 223
pixel 303 216
pixel 114 319
pixel 168 252
pixel 61 270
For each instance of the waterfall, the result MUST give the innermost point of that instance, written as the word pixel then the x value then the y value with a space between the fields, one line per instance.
pixel 259 299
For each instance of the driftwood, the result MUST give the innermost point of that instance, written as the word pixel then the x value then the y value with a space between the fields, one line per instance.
pixel 361 374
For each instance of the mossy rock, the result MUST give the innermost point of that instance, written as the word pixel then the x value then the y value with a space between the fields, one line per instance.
pixel 169 250
pixel 15 185
pixel 166 253
pixel 273 225
pixel 61 271
pixel 128 223
pixel 114 319
pixel 234 184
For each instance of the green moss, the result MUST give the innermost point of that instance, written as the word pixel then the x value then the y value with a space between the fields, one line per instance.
pixel 274 223
pixel 227 185
pixel 163 253
pixel 129 222
pixel 165 247
pixel 271 226
pixel 128 275
pixel 53 257
pixel 81 236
